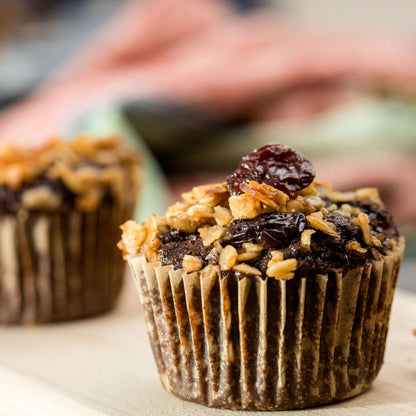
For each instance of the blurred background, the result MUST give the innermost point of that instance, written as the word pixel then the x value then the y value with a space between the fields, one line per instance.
pixel 202 83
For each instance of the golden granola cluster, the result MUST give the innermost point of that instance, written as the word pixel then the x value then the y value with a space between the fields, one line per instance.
pixel 87 167
pixel 209 210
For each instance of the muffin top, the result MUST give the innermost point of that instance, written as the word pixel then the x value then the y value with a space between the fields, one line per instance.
pixel 64 174
pixel 270 218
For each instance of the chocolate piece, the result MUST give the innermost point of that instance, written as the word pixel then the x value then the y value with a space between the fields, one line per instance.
pixel 176 244
pixel 274 230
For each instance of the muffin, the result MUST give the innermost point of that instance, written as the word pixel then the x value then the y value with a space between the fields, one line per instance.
pixel 60 209
pixel 269 291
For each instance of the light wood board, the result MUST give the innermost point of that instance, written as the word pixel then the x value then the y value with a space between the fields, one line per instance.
pixel 104 366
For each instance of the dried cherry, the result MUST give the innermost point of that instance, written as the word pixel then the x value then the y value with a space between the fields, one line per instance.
pixel 273 164
pixel 275 230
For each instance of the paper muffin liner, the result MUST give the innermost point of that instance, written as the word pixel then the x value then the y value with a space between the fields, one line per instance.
pixel 60 266
pixel 264 344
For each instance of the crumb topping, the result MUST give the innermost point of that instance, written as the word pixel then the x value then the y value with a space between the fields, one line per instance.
pixel 262 230
pixel 191 263
pixel 86 168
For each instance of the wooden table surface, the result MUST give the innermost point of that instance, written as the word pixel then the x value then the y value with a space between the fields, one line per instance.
pixel 104 366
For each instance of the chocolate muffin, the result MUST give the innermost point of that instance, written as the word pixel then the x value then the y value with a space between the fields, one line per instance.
pixel 268 291
pixel 60 208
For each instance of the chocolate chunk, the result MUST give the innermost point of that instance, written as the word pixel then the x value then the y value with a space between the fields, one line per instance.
pixel 275 230
pixel 176 244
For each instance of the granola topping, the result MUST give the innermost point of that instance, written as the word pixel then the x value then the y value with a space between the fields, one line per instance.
pixel 210 234
pixel 228 257
pixel 305 239
pixel 191 263
pixel 255 225
pixel 80 173
pixel 247 269
pixel 245 206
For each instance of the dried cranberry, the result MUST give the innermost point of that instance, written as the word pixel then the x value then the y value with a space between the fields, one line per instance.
pixel 273 164
pixel 275 230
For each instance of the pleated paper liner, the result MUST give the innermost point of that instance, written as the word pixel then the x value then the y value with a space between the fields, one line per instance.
pixel 267 344
pixel 60 266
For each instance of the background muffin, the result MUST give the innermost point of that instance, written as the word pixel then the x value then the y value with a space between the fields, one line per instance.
pixel 60 206
pixel 269 291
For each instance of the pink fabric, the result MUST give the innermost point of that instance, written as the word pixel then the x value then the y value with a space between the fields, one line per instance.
pixel 240 66
pixel 202 53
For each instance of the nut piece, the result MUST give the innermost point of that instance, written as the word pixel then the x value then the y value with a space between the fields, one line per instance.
pixel 316 221
pixel 360 194
pixel 341 196
pixel 249 251
pixel 324 211
pixel 246 269
pixel 342 212
pixel 368 193
pixel 350 209
pixel 228 258
pixel 270 196
pixel 247 256
pixel 212 255
pixel 177 208
pixel 211 194
pixel 201 213
pixel 281 269
pixel 152 243
pixel 41 197
pixel 182 222
pixel 277 255
pixel 222 216
pixel 309 190
pixel 191 263
pixel 210 234
pixel 252 247
pixel 133 237
pixel 209 271
pixel 305 239
pixel 364 223
pixel 307 204
pixel 332 208
pixel 245 206
pixel 376 242
pixel 355 245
